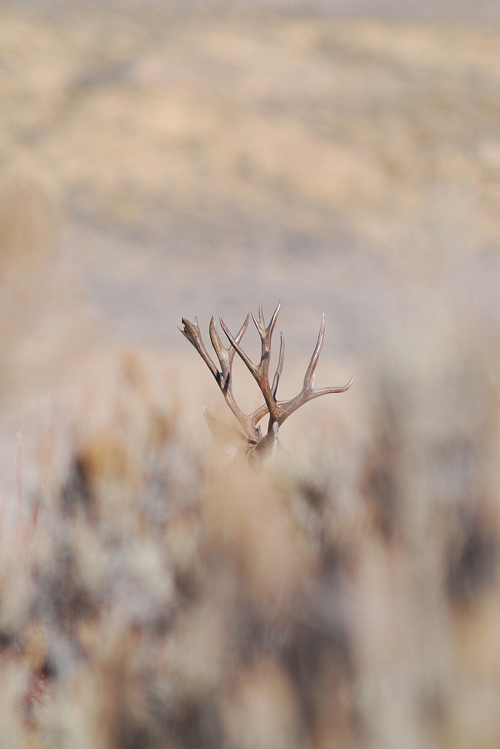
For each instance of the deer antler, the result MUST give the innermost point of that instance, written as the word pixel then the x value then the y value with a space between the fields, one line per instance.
pixel 278 410
pixel 223 377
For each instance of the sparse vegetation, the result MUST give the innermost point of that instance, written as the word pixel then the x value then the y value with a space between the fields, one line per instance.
pixel 155 594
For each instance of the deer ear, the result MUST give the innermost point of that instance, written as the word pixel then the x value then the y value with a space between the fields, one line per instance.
pixel 221 432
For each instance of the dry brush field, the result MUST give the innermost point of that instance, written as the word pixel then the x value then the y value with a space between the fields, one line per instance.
pixel 155 593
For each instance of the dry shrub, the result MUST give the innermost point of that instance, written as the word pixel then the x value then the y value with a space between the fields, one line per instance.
pixel 157 594
pixel 344 594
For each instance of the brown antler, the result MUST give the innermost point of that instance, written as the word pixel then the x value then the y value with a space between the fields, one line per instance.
pixel 223 377
pixel 278 410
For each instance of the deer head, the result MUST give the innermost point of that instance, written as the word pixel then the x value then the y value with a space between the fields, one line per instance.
pixel 258 444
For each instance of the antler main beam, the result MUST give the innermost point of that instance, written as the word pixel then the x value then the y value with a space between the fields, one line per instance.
pixel 278 411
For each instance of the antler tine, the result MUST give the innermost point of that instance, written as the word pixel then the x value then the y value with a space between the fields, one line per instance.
pixel 286 408
pixel 234 343
pixel 279 368
pixel 340 389
pixel 225 355
pixel 309 375
pixel 216 343
pixel 260 372
pixel 266 333
pixel 192 333
pixel 242 330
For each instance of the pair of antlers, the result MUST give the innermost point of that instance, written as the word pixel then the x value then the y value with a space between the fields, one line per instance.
pixel 278 410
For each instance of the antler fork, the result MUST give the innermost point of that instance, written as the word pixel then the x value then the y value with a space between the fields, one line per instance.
pixel 278 410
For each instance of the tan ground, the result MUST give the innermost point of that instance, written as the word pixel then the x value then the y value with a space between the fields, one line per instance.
pixel 210 162
pixel 261 115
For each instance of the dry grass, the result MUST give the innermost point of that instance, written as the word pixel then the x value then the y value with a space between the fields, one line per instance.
pixel 155 594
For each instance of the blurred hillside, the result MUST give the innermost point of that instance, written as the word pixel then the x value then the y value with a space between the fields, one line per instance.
pixel 482 10
pixel 210 161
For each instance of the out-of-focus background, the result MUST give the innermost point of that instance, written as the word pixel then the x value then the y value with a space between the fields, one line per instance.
pixel 207 160
pixel 161 160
